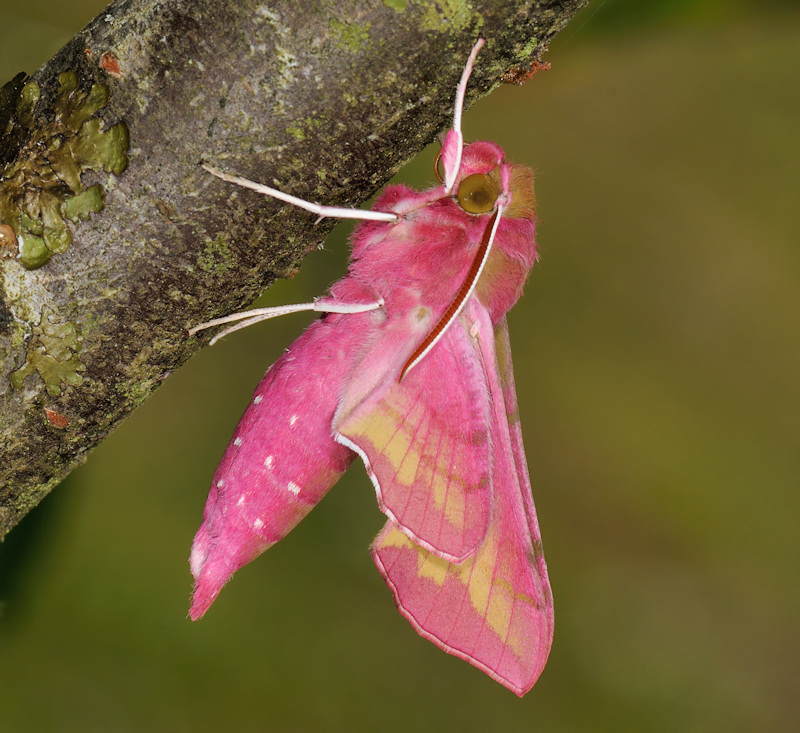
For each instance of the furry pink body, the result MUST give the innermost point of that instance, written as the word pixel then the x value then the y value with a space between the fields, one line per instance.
pixel 461 548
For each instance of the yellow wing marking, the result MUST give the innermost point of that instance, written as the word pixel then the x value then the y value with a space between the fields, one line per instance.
pixel 395 430
pixel 491 596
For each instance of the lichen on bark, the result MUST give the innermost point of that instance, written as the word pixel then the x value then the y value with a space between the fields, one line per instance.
pixel 52 353
pixel 41 187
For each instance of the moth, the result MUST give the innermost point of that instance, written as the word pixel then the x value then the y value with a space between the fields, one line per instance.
pixel 409 368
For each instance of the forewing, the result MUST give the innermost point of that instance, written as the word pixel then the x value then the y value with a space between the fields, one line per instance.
pixel 495 608
pixel 425 440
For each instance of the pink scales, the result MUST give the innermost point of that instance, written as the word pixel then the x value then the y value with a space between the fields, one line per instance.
pixel 410 369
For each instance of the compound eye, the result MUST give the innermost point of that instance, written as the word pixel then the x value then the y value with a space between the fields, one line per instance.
pixel 477 193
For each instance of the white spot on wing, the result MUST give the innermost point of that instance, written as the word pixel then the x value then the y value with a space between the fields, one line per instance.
pixel 197 560
pixel 237 442
pixel 257 524
pixel 292 420
pixel 220 483
pixel 269 462
pixel 293 487
pixel 241 500
pixel 257 399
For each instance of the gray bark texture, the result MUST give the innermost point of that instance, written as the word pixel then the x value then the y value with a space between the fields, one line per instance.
pixel 113 240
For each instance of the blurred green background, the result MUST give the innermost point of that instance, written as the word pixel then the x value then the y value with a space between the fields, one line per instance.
pixel 656 353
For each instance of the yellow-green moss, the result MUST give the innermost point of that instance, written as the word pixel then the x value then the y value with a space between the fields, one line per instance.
pixel 217 256
pixel 302 127
pixel 446 15
pixel 350 36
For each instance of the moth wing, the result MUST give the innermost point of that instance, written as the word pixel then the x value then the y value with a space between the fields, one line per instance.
pixel 425 439
pixel 494 609
pixel 505 372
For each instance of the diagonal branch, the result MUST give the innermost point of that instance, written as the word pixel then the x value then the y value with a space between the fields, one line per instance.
pixel 113 240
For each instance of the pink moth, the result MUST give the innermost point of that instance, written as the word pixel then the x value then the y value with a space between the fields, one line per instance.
pixel 409 368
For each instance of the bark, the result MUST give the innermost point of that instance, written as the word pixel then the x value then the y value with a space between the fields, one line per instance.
pixel 126 242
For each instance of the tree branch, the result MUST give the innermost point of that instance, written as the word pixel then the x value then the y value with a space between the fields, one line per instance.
pixel 113 240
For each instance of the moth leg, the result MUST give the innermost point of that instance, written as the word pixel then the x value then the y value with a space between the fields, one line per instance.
pixel 256 315
pixel 335 212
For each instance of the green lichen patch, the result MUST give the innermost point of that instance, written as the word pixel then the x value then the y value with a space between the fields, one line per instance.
pixel 398 5
pixel 350 36
pixel 52 352
pixel 287 63
pixel 300 129
pixel 84 204
pixel 42 162
pixel 217 256
pixel 446 15
pixel 297 132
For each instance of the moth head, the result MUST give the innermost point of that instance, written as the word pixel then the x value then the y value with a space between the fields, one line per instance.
pixel 484 178
pixel 476 175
